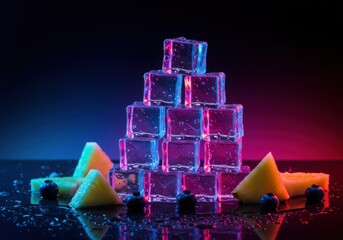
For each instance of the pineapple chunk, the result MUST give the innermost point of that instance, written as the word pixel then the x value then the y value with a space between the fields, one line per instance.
pixel 296 183
pixel 93 157
pixel 264 178
pixel 94 191
pixel 67 186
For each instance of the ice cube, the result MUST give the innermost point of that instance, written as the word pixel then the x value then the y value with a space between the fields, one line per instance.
pixel 225 122
pixel 180 155
pixel 223 155
pixel 205 90
pixel 202 185
pixel 184 56
pixel 184 123
pixel 228 181
pixel 145 121
pixel 161 186
pixel 162 88
pixel 126 182
pixel 138 153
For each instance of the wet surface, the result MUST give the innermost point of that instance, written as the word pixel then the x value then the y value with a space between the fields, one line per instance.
pixel 25 216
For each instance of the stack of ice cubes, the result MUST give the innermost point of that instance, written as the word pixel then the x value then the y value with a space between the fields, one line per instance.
pixel 174 144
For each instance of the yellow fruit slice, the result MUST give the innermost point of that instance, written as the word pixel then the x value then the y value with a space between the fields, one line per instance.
pixel 94 191
pixel 296 183
pixel 93 157
pixel 264 178
pixel 67 186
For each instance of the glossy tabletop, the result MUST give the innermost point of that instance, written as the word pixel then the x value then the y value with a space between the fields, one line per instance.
pixel 25 216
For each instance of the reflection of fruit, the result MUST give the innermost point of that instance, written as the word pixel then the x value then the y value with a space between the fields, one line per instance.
pixel 93 229
pixel 296 183
pixel 67 185
pixel 48 190
pixel 268 229
pixel 264 178
pixel 94 191
pixel 93 157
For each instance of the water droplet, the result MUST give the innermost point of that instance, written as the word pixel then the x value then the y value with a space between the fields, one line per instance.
pixel 203 83
pixel 4 194
pixel 134 126
pixel 181 123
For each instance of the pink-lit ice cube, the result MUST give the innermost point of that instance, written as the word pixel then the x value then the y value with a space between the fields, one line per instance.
pixel 202 185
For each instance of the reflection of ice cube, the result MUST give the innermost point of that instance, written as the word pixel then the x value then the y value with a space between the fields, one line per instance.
pixel 138 153
pixel 223 155
pixel 126 182
pixel 145 121
pixel 184 123
pixel 133 232
pixel 205 90
pixel 162 89
pixel 184 56
pixel 161 186
pixel 180 155
pixel 202 185
pixel 225 122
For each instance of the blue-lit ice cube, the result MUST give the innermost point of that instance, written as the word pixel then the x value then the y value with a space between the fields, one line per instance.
pixel 138 153
pixel 145 121
pixel 162 88
pixel 205 90
pixel 180 155
pixel 126 182
pixel 184 123
pixel 184 56
pixel 225 122
pixel 223 155
pixel 161 186
pixel 202 185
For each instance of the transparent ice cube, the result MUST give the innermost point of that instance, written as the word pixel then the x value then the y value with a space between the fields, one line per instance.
pixel 162 88
pixel 136 153
pixel 228 181
pixel 225 122
pixel 223 155
pixel 161 186
pixel 202 185
pixel 205 90
pixel 126 182
pixel 180 155
pixel 145 121
pixel 184 123
pixel 184 56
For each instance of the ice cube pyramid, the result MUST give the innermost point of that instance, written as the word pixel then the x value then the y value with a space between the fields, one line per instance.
pixel 179 144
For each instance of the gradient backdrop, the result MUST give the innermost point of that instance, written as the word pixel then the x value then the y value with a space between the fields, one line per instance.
pixel 69 70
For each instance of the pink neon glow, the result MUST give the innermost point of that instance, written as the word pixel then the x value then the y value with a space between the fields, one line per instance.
pixel 188 94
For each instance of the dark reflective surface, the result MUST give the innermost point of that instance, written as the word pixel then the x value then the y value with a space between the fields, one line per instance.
pixel 25 216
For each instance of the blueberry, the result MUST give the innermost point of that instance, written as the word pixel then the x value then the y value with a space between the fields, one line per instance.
pixel 269 202
pixel 186 200
pixel 48 190
pixel 135 203
pixel 314 194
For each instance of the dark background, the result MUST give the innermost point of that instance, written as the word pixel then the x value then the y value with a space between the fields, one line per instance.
pixel 68 71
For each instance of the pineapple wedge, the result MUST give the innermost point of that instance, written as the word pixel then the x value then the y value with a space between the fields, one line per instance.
pixel 93 157
pixel 264 178
pixel 94 191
